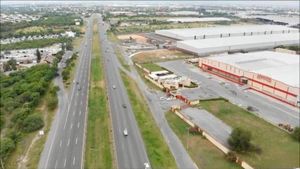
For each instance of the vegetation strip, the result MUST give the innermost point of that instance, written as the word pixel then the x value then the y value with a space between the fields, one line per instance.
pixel 98 153
pixel 157 150
pixel 203 153
pixel 271 141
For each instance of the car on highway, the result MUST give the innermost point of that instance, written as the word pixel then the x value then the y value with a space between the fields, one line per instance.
pixel 124 106
pixel 114 87
pixel 79 88
pixel 125 132
pixel 147 165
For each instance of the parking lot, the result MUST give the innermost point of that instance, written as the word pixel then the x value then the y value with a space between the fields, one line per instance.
pixel 267 108
pixel 209 123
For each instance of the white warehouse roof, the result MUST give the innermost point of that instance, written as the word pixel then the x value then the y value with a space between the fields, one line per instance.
pixel 195 19
pixel 215 32
pixel 232 44
pixel 279 66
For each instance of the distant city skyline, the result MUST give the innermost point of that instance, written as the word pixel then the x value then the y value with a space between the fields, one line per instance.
pixel 257 3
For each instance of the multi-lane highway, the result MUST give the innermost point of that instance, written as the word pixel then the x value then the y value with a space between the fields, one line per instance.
pixel 130 150
pixel 64 147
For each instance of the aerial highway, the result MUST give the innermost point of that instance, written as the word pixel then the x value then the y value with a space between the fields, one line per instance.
pixel 64 147
pixel 130 150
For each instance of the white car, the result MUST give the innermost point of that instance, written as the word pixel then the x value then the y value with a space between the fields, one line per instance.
pixel 125 132
pixel 147 165
pixel 114 86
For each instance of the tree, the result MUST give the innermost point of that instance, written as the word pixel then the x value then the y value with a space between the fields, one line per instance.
pixel 296 134
pixel 239 140
pixel 32 123
pixel 38 55
pixel 7 145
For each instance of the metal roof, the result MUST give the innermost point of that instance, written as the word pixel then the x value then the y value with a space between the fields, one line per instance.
pixel 279 66
pixel 213 32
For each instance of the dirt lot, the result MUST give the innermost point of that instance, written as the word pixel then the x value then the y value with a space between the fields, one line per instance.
pixel 159 55
pixel 137 38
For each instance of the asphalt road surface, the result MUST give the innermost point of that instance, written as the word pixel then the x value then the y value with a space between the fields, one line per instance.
pixel 130 150
pixel 64 147
pixel 268 109
pixel 209 123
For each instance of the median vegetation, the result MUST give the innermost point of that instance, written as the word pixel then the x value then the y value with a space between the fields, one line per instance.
pixel 98 152
pixel 157 149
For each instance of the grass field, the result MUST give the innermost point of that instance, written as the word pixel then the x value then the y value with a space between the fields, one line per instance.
pixel 279 150
pixel 157 150
pixel 159 55
pixel 203 153
pixel 98 152
pixel 152 66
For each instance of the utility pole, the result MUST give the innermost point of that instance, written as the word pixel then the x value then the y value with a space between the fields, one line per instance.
pixel 187 142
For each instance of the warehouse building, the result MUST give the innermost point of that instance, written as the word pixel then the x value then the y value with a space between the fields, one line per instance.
pixel 205 47
pixel 224 31
pixel 271 73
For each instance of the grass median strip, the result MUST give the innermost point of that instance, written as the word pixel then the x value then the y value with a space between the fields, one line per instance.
pixel 203 153
pixel 278 149
pixel 157 150
pixel 98 152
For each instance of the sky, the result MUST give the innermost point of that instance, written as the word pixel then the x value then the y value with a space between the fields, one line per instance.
pixel 259 3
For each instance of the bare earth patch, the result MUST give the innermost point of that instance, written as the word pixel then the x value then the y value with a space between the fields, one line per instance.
pixel 136 37
pixel 159 55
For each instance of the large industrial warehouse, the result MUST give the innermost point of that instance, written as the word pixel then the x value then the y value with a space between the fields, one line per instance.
pixel 271 73
pixel 205 47
pixel 224 31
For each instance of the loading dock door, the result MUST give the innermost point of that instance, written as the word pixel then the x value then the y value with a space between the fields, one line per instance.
pixel 244 80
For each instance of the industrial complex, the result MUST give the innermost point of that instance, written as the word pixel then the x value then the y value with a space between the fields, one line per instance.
pixel 205 47
pixel 223 51
pixel 224 31
pixel 272 73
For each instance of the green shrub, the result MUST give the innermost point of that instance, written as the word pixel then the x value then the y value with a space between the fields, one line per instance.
pixel 239 140
pixel 32 123
pixel 296 134
pixel 7 145
pixel 231 156
pixel 52 102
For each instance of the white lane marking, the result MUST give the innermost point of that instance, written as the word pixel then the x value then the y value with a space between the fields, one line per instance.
pixel 80 112
pixel 65 162
pixel 71 125
pixel 73 113
pixel 60 143
pixel 68 142
pixel 55 164
pixel 81 102
pixel 74 160
pixel 76 140
pixel 78 124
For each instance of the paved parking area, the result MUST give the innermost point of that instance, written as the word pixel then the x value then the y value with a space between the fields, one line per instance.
pixel 267 108
pixel 209 123
pixel 198 93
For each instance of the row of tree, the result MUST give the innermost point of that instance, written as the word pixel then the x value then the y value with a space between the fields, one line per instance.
pixel 20 94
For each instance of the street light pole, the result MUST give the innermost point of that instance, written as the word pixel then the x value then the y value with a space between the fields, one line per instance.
pixel 187 142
